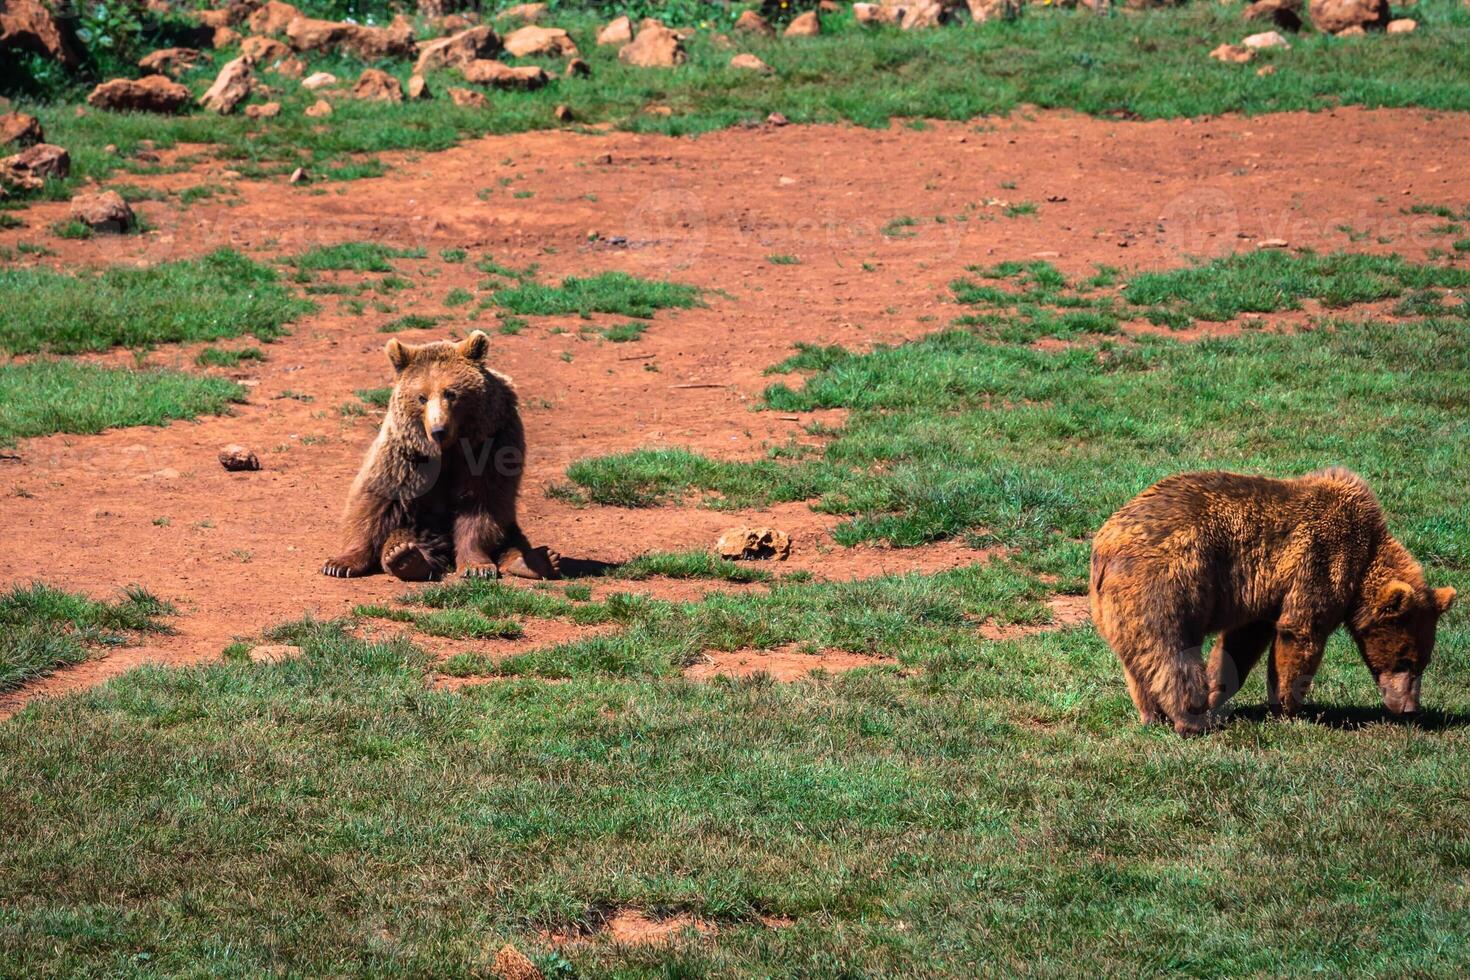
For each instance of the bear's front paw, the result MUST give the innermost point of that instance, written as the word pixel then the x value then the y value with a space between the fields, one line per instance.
pixel 480 570
pixel 344 568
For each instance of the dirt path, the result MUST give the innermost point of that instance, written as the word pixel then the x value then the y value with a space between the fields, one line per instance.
pixel 238 552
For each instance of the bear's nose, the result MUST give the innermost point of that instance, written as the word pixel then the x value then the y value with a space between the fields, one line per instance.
pixel 439 432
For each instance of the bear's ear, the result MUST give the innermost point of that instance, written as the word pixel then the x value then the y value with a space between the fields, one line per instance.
pixel 475 346
pixel 1443 599
pixel 399 354
pixel 1394 598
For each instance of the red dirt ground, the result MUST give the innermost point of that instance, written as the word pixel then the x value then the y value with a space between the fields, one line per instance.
pixel 240 551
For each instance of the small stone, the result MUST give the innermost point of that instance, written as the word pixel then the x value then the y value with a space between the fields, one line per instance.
pixel 19 129
pixel 1233 54
pixel 1265 70
pixel 104 211
pixel 603 159
pixel 151 93
pixel 751 22
pixel 1272 243
pixel 501 75
pixel 749 62
pixel 224 37
pixel 273 653
pixel 804 25
pixel 374 85
pixel 777 119
pixel 654 47
pixel 563 114
pixel 753 544
pixel 321 79
pixel 577 68
pixel 546 42
pixel 319 109
pixel 266 110
pixel 1403 25
pixel 619 31
pixel 230 88
pixel 418 88
pixel 299 176
pixel 1356 30
pixel 468 98
pixel 1266 39
pixel 264 51
pixel 236 458
pixel 169 61
pixel 29 168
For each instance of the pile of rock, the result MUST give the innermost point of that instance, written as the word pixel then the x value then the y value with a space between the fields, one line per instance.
pixel 1343 18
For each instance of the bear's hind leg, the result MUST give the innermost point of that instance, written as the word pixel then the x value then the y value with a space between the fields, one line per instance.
pixel 1148 709
pixel 1177 680
pixel 403 558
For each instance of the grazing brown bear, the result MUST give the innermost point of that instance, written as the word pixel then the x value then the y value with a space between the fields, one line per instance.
pixel 439 485
pixel 1262 562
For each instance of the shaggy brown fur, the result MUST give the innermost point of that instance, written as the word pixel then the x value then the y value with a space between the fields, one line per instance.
pixel 438 487
pixel 1262 562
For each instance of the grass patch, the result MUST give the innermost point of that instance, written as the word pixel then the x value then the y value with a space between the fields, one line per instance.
pixel 606 292
pixel 411 321
pixel 39 398
pixel 376 397
pixel 354 257
pixel 42 628
pixel 689 564
pixel 625 332
pixel 782 259
pixel 221 295
pixel 219 357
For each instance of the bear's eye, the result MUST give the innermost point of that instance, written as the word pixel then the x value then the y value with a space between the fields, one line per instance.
pixel 423 399
pixel 450 396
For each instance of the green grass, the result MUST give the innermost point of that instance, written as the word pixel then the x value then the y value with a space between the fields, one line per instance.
pixel 42 628
pixel 220 295
pixel 625 332
pixel 219 357
pixel 605 292
pixel 353 257
pixel 410 321
pixel 783 259
pixel 376 397
pixel 39 398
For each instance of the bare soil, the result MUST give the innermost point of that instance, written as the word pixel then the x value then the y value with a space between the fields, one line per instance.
pixel 240 551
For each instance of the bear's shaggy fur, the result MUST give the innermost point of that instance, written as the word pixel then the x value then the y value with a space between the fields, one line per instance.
pixel 1262 562
pixel 438 487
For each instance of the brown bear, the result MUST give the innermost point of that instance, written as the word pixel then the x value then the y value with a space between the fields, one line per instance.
pixel 1262 562
pixel 438 487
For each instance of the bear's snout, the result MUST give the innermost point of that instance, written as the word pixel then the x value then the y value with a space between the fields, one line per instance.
pixel 1400 692
pixel 439 434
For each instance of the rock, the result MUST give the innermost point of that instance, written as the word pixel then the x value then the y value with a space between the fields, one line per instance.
pixel 418 89
pixel 236 458
pixel 1272 243
pixel 224 37
pixel 374 85
pixel 986 10
pixel 563 114
pixel 29 168
pixel 753 543
pixel 619 30
pixel 749 62
pixel 777 119
pixel 1268 39
pixel 1285 14
pixel 273 653
pixel 316 80
pixel 170 61
pixel 19 129
pixel 367 43
pixel 1336 16
pixel 526 13
pixel 151 93
pixel 468 98
pixel 804 25
pixel 1354 31
pixel 263 51
pixel 875 13
pixel 461 49
pixel 227 16
pixel 547 42
pixel 577 68
pixel 292 67
pixel 273 18
pixel 511 964
pixel 29 25
pixel 1403 25
pixel 1265 70
pixel 320 109
pixel 500 75
pixel 299 176
pixel 230 87
pixel 654 47
pixel 751 22
pixel 266 110
pixel 104 211
pixel 1233 54
pixel 920 14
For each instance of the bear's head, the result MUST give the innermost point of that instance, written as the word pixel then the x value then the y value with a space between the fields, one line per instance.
pixel 1395 634
pixel 443 392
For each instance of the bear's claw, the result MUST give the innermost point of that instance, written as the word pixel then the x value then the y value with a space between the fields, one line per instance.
pixel 481 570
pixel 336 568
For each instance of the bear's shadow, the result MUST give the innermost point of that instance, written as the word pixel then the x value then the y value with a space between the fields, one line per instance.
pixel 1354 717
pixel 585 567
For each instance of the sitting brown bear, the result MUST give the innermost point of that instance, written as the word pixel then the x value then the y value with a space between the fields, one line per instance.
pixel 1262 562
pixel 439 485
